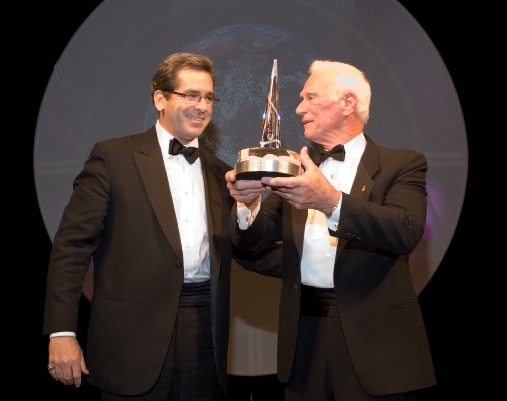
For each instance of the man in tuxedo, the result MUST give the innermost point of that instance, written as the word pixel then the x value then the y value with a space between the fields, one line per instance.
pixel 152 212
pixel 351 327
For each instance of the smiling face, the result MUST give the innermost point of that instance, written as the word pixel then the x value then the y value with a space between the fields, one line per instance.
pixel 186 119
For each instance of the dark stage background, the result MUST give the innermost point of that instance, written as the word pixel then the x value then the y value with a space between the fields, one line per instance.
pixel 447 300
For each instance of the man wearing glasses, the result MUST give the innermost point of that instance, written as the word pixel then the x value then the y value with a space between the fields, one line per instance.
pixel 152 212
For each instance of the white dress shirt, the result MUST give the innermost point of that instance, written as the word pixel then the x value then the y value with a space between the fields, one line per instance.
pixel 187 189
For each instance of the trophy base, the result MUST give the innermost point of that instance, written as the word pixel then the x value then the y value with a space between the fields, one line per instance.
pixel 254 163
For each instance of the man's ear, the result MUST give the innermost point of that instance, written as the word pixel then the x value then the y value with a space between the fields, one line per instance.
pixel 349 103
pixel 159 100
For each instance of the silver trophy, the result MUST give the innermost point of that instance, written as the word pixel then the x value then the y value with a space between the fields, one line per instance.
pixel 269 159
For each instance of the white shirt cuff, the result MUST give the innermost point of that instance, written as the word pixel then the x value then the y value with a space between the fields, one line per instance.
pixel 245 216
pixel 63 334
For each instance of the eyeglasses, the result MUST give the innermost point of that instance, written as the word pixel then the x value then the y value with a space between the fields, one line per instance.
pixel 195 98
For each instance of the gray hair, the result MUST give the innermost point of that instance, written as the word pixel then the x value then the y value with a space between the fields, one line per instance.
pixel 348 78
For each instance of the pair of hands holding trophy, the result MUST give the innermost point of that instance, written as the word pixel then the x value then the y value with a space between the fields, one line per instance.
pixel 292 176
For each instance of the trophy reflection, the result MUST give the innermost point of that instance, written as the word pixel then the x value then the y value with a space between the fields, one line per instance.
pixel 269 159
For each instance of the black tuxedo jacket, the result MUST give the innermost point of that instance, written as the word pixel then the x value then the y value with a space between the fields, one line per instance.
pixel 121 213
pixel 382 220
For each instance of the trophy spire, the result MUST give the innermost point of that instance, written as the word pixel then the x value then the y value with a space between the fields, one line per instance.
pixel 269 159
pixel 270 136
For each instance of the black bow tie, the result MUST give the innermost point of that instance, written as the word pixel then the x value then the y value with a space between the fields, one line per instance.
pixel 191 153
pixel 319 154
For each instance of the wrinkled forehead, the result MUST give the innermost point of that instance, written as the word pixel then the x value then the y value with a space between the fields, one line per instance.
pixel 320 82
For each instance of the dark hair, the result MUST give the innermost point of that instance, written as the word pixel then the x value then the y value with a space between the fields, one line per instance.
pixel 166 76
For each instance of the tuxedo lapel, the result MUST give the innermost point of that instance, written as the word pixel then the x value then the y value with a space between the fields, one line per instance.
pixel 151 168
pixel 298 226
pixel 212 176
pixel 363 182
pixel 368 166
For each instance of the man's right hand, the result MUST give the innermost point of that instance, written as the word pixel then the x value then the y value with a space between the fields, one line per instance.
pixel 66 360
